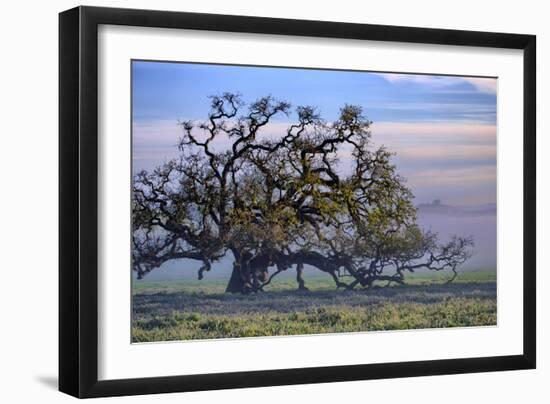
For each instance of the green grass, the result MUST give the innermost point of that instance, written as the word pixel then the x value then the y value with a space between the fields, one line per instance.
pixel 455 312
pixel 182 310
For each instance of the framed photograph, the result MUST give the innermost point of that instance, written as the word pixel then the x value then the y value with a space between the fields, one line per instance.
pixel 252 201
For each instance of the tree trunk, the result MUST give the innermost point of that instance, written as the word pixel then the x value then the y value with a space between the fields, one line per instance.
pixel 236 283
pixel 299 277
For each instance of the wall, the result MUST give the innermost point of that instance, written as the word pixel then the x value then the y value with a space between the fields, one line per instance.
pixel 28 163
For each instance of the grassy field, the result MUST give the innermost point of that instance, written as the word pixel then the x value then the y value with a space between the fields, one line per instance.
pixel 182 310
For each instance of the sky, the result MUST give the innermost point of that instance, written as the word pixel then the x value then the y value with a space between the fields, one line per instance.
pixel 442 128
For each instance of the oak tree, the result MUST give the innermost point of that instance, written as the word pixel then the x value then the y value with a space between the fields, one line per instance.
pixel 275 201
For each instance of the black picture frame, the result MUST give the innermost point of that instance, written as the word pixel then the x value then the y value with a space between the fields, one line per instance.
pixel 78 196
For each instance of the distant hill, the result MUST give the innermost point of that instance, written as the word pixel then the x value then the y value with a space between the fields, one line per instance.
pixel 438 208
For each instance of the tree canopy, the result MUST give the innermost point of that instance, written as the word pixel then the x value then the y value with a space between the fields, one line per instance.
pixel 281 201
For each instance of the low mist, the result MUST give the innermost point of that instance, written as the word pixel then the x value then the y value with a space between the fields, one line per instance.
pixel 480 222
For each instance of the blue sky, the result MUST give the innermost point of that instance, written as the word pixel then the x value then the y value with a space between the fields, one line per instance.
pixel 443 128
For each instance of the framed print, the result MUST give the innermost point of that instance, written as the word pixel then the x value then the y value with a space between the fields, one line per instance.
pixel 251 201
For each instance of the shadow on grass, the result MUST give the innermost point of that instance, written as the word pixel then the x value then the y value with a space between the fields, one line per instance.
pixel 164 303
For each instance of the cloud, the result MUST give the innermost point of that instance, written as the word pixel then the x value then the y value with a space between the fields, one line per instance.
pixel 481 84
pixel 440 131
pixel 464 178
pixel 410 140
pixel 447 153
pixel 435 81
pixel 485 85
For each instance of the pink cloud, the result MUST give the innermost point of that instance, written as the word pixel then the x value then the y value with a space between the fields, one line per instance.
pixel 454 177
